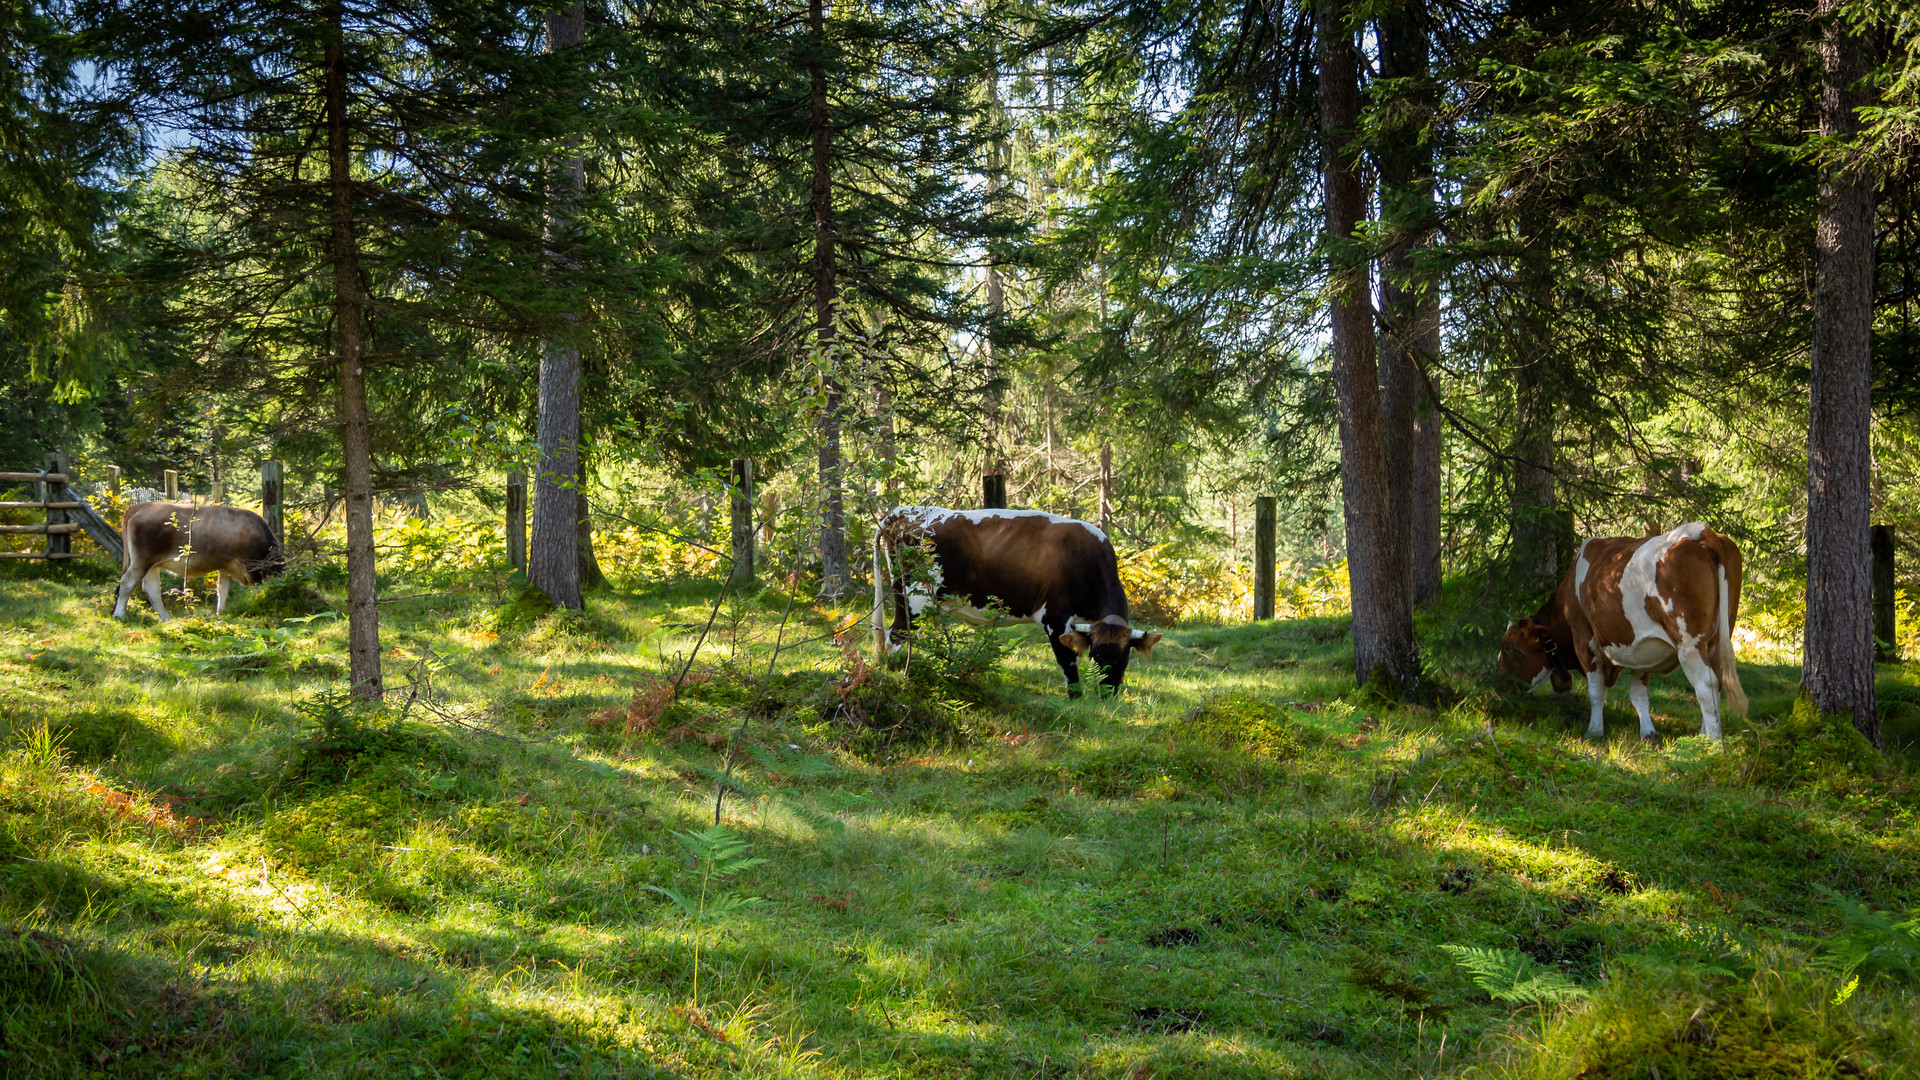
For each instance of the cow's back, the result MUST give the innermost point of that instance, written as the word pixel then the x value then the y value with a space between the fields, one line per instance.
pixel 1024 559
pixel 215 538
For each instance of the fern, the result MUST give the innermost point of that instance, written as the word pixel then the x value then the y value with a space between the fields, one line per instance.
pixel 1871 941
pixel 1511 976
pixel 719 854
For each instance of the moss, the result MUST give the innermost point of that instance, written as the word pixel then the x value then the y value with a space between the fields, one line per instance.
pixel 1810 747
pixel 1243 722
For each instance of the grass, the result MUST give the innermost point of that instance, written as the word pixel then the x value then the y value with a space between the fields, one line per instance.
pixel 212 865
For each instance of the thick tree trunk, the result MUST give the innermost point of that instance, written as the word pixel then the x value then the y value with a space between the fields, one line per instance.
pixel 1531 515
pixel 1411 343
pixel 1839 632
pixel 356 437
pixel 833 524
pixel 1382 607
pixel 553 561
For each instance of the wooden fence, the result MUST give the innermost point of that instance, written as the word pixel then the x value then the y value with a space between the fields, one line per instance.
pixel 67 513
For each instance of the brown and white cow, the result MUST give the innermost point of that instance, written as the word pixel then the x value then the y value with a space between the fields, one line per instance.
pixel 1645 605
pixel 193 541
pixel 1056 572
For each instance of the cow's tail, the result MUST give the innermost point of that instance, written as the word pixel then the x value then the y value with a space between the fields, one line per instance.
pixel 1736 698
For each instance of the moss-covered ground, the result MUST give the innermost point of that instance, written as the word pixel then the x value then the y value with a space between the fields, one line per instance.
pixel 213 866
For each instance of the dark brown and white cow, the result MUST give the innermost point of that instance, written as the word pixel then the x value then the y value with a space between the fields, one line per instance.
pixel 1056 572
pixel 1645 605
pixel 193 541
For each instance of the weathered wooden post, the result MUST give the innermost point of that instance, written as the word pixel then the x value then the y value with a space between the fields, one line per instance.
pixel 1264 518
pixel 59 542
pixel 517 519
pixel 217 495
pixel 1880 543
pixel 113 483
pixel 170 484
pixel 272 495
pixel 740 521
pixel 993 491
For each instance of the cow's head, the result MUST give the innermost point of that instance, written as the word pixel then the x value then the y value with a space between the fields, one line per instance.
pixel 272 563
pixel 1110 642
pixel 1529 653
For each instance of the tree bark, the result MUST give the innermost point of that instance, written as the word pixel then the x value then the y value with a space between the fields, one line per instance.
pixel 1376 564
pixel 993 455
pixel 553 561
pixel 1838 673
pixel 1533 524
pixel 1411 343
pixel 591 576
pixel 833 524
pixel 356 437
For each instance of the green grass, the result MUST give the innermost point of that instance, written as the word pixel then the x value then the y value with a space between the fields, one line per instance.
pixel 209 867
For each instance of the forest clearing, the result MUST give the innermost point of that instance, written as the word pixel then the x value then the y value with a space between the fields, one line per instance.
pixel 995 538
pixel 220 865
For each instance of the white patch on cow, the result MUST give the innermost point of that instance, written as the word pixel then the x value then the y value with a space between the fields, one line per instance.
pixel 973 616
pixel 928 516
pixel 1040 617
pixel 917 598
pixel 1580 568
pixel 1638 584
pixel 1540 679
pixel 1655 654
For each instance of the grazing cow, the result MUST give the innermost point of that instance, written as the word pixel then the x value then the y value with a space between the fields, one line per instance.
pixel 1645 604
pixel 193 541
pixel 1056 572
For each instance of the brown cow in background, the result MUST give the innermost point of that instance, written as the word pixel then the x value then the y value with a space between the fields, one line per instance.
pixel 194 541
pixel 1642 604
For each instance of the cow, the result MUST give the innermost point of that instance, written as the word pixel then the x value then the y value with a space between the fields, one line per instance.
pixel 1058 573
pixel 1645 605
pixel 193 541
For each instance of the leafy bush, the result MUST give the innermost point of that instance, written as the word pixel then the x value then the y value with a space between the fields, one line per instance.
pixel 954 657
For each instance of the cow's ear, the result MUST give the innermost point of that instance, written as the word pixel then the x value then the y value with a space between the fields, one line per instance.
pixel 1077 641
pixel 1146 644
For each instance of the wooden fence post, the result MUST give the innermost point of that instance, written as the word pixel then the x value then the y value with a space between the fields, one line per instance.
pixel 740 520
pixel 113 483
pixel 1264 517
pixel 217 495
pixel 1880 544
pixel 993 491
pixel 272 495
pixel 517 519
pixel 58 543
pixel 170 484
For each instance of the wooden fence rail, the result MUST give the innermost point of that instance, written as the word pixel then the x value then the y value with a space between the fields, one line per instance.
pixel 67 513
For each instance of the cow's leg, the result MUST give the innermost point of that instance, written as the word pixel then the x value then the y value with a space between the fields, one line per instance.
pixel 1069 662
pixel 152 584
pixel 1706 688
pixel 129 578
pixel 1642 704
pixel 220 586
pixel 1597 697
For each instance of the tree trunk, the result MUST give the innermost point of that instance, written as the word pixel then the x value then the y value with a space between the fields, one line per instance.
pixel 993 456
pixel 1377 567
pixel 356 438
pixel 1533 523
pixel 591 576
pixel 833 524
pixel 553 563
pixel 1838 675
pixel 1534 528
pixel 1411 343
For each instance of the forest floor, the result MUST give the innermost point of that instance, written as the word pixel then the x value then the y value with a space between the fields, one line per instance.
pixel 211 865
